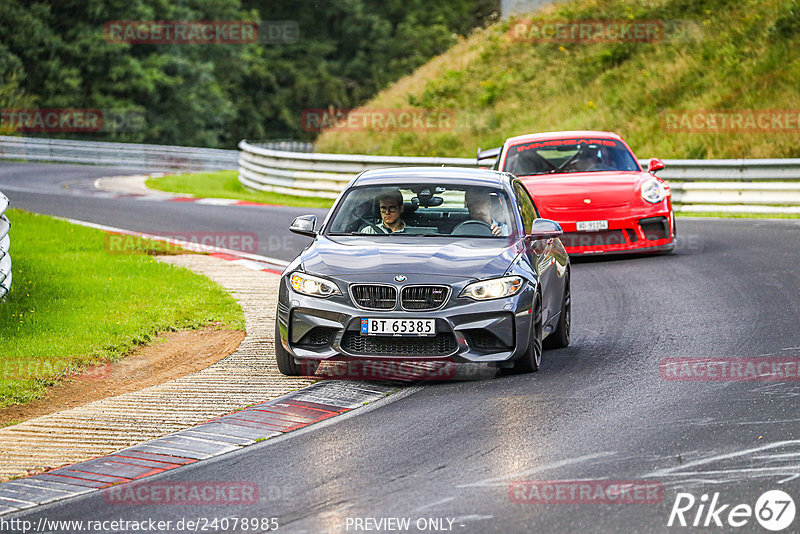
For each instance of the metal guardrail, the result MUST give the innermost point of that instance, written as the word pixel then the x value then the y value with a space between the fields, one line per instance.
pixel 318 175
pixel 729 169
pixel 693 182
pixel 290 167
pixel 287 145
pixel 5 246
pixel 733 185
pixel 150 157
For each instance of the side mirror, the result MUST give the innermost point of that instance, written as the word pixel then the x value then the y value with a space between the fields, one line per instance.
pixel 304 225
pixel 655 165
pixel 545 229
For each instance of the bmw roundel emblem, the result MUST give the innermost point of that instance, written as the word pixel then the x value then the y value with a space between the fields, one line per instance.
pixel 399 278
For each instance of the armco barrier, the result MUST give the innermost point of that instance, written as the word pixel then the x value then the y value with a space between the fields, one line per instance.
pixel 733 185
pixel 5 246
pixel 694 182
pixel 766 185
pixel 317 175
pixel 150 157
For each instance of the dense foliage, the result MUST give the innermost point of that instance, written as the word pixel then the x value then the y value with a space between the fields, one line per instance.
pixel 54 54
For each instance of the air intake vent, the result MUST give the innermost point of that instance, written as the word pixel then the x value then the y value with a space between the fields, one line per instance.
pixel 424 297
pixel 441 344
pixel 374 297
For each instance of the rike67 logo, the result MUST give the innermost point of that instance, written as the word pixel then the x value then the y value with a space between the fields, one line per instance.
pixel 774 510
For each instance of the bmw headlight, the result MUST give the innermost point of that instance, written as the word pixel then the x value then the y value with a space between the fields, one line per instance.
pixel 494 288
pixel 653 191
pixel 313 285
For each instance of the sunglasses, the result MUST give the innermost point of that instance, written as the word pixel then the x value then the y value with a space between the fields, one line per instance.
pixel 388 209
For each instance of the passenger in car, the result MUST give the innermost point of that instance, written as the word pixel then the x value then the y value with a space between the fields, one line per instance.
pixel 390 205
pixel 479 204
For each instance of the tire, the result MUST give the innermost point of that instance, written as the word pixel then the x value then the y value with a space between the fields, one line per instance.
pixel 532 359
pixel 559 338
pixel 285 361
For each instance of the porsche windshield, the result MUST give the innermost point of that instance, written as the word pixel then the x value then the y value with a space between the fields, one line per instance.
pixel 429 210
pixel 569 155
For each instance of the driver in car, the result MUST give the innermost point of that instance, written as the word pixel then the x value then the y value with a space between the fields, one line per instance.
pixel 480 209
pixel 588 159
pixel 390 205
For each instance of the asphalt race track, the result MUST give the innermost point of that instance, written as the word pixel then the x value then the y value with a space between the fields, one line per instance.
pixel 598 410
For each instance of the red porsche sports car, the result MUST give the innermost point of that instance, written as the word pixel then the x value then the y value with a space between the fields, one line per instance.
pixel 592 184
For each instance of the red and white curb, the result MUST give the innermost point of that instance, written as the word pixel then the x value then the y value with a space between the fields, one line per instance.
pixel 134 187
pixel 255 262
pixel 219 201
pixel 299 409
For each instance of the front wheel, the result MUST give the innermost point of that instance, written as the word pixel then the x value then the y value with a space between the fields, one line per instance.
pixel 285 361
pixel 532 359
pixel 560 336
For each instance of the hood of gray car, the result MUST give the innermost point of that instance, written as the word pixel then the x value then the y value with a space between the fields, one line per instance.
pixel 450 257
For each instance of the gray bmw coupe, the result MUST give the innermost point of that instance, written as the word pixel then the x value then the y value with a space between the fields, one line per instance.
pixel 426 264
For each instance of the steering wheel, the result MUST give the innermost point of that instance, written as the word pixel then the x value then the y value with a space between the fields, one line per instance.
pixel 473 227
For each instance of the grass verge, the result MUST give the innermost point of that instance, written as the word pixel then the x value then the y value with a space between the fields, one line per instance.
pixel 225 184
pixel 74 304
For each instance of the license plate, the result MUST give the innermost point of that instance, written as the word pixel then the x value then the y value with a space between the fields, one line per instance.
pixel 590 226
pixel 398 327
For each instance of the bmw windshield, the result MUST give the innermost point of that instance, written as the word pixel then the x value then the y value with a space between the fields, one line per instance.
pixel 432 210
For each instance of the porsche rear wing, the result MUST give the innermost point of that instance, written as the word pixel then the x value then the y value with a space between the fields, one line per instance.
pixel 489 153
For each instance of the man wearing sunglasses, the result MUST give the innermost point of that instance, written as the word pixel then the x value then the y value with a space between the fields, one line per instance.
pixel 390 205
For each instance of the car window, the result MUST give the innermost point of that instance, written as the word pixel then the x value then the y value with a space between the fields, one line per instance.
pixel 526 207
pixel 432 210
pixel 568 156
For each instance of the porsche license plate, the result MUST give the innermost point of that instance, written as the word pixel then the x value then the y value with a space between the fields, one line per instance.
pixel 592 226
pixel 398 327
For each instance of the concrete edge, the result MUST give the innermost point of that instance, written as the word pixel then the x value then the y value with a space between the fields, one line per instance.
pixel 301 409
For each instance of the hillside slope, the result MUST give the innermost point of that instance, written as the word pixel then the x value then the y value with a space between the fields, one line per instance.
pixel 713 56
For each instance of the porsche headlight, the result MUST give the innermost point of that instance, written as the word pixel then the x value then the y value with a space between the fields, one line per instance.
pixel 653 191
pixel 494 288
pixel 313 286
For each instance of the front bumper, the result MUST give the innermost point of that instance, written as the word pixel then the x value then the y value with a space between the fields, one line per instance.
pixel 467 331
pixel 642 232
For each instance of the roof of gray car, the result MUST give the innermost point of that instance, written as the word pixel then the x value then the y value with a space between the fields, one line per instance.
pixel 424 175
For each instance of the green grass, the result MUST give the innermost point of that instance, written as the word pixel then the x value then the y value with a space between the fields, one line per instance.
pixel 74 304
pixel 225 184
pixel 716 55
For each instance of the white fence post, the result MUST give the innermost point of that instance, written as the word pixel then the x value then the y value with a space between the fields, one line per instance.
pixel 5 248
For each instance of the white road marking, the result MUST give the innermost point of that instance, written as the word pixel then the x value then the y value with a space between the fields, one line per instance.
pixel 431 505
pixel 668 470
